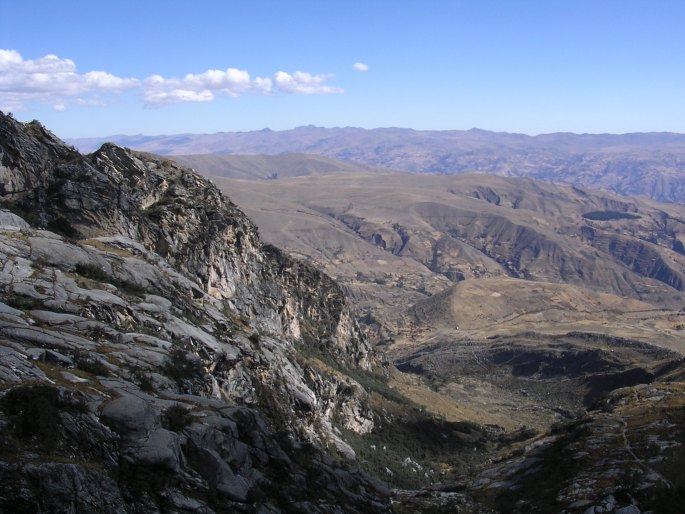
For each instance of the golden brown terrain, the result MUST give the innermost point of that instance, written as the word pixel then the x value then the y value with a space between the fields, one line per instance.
pixel 513 305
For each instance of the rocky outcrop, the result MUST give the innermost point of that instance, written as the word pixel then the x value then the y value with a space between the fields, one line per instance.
pixel 161 344
pixel 180 216
pixel 624 456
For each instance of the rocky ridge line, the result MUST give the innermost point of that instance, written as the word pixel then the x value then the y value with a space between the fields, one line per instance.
pixel 178 358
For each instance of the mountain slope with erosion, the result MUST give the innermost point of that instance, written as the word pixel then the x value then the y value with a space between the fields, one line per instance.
pixel 515 310
pixel 395 240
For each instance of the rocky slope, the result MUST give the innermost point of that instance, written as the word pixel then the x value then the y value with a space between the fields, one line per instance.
pixel 516 306
pixel 152 346
pixel 624 456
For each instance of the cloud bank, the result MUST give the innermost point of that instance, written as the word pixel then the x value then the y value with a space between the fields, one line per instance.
pixel 204 87
pixel 55 81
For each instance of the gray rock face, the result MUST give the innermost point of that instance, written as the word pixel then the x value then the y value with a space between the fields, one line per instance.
pixel 129 415
pixel 9 220
pixel 149 339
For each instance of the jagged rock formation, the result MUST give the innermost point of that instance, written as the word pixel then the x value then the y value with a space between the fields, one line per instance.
pixel 154 351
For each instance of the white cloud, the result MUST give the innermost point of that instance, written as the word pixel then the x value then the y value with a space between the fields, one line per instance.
pixel 56 82
pixel 263 85
pixel 106 81
pixel 304 83
pixel 9 57
pixel 360 66
pixel 52 80
pixel 203 87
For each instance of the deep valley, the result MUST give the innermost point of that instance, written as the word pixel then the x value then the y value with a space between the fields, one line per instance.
pixel 358 341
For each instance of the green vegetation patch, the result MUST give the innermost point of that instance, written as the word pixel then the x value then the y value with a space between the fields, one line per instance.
pixel 90 364
pixel 88 270
pixel 414 449
pixel 409 447
pixel 64 227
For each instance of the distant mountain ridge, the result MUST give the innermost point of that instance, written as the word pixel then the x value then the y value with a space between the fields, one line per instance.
pixel 647 164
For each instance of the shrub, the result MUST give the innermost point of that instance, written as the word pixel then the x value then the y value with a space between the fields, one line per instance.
pixel 179 367
pixel 176 418
pixel 89 364
pixel 254 339
pixel 88 270
pixel 63 227
pixel 33 412
pixel 93 272
pixel 144 381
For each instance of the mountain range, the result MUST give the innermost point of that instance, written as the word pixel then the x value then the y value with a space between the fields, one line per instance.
pixel 371 342
pixel 646 164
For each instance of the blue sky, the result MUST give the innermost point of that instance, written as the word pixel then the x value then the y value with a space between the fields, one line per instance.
pixel 149 67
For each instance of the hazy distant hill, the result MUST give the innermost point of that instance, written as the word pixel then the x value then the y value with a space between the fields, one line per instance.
pixel 650 164
pixel 270 167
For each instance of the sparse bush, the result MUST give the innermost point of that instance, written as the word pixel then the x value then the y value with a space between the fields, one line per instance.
pixel 96 333
pixel 179 367
pixel 55 187
pixel 23 303
pixel 88 270
pixel 28 214
pixel 254 339
pixel 62 226
pixel 33 412
pixel 144 381
pixel 89 364
pixel 129 287
pixel 93 272
pixel 176 418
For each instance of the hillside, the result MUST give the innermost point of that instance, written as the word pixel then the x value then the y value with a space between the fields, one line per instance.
pixel 269 167
pixel 646 164
pixel 394 240
pixel 516 305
